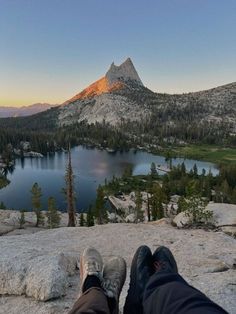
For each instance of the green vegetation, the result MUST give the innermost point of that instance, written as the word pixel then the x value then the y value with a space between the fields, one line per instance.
pixel 100 211
pixel 138 207
pixel 36 204
pixel 3 181
pixel 210 153
pixel 190 186
pixel 195 208
pixel 52 214
pixel 90 217
pixel 22 218
pixel 69 192
pixel 82 220
pixel 2 205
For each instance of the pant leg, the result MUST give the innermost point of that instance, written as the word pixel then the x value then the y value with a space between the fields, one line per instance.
pixel 167 293
pixel 92 301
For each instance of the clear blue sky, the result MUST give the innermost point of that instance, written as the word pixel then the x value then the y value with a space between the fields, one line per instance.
pixel 52 49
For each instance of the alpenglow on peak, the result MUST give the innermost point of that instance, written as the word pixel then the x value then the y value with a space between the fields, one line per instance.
pixel 115 79
pixel 124 72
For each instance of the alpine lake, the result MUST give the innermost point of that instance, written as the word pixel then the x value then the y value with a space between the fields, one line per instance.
pixel 91 167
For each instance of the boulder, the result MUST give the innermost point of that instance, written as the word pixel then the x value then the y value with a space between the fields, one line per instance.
pixel 223 214
pixel 35 275
pixel 181 220
pixel 130 218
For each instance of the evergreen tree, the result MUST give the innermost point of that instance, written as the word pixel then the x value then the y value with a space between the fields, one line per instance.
pixel 153 170
pixel 183 168
pixel 157 200
pixel 195 171
pixel 181 204
pixel 36 204
pixel 52 214
pixel 82 222
pixel 2 205
pixel 22 218
pixel 90 217
pixel 138 207
pixel 70 193
pixel 100 210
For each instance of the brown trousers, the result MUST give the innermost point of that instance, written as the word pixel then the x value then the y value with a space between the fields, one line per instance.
pixel 92 301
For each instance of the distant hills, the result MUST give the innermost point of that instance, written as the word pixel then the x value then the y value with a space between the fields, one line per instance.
pixel 24 110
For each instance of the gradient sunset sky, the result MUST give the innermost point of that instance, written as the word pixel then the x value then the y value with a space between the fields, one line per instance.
pixel 52 49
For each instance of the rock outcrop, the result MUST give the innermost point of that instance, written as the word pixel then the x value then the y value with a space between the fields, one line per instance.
pixel 44 265
pixel 224 217
pixel 125 72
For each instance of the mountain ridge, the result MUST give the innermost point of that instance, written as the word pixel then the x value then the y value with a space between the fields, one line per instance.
pixel 10 111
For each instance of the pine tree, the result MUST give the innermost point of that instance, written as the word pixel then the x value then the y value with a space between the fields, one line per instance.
pixel 70 194
pixel 138 207
pixel 52 214
pixel 82 222
pixel 195 171
pixel 90 217
pixel 158 197
pixel 153 170
pixel 22 218
pixel 36 203
pixel 100 210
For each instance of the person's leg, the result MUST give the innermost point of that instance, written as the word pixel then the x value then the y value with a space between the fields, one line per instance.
pixel 92 299
pixel 168 293
pixel 139 275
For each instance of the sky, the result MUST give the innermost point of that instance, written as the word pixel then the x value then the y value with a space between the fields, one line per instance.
pixel 51 49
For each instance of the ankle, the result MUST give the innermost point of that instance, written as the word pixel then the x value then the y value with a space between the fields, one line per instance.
pixel 91 281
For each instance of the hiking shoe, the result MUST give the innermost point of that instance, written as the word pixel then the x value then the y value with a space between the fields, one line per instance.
pixel 141 270
pixel 114 275
pixel 164 261
pixel 90 264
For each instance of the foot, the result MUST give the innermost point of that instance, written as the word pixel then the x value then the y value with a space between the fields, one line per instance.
pixel 164 261
pixel 141 270
pixel 114 275
pixel 90 265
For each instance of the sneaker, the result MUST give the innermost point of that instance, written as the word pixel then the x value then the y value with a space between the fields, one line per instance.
pixel 164 261
pixel 141 270
pixel 114 275
pixel 90 264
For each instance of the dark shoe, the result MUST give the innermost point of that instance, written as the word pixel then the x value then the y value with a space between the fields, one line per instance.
pixel 164 261
pixel 141 270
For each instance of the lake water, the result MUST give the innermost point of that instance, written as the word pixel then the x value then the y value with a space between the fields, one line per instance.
pixel 91 167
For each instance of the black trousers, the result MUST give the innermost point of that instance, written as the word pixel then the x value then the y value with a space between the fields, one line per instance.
pixel 167 293
pixel 164 294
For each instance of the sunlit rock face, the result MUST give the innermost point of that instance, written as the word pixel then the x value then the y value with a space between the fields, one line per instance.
pixel 106 99
pixel 115 79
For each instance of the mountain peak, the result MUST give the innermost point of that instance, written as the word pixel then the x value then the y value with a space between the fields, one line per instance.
pixel 124 72
pixel 115 79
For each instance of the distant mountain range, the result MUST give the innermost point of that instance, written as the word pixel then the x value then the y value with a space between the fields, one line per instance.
pixel 24 110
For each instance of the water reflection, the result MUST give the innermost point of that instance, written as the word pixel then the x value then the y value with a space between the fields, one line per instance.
pixel 91 167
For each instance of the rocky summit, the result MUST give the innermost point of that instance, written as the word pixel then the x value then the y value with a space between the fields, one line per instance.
pixel 39 273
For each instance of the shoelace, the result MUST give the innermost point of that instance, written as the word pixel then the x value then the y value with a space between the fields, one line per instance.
pixel 159 265
pixel 111 287
pixel 92 267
